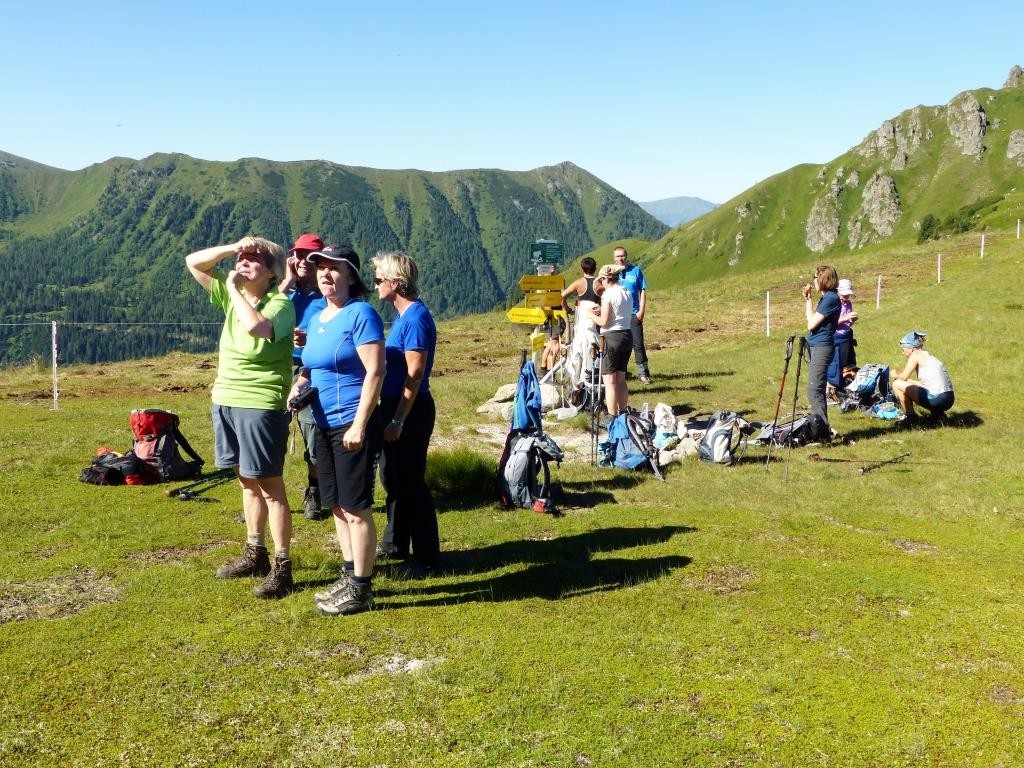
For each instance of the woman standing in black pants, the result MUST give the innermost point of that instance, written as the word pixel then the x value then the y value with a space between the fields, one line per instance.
pixel 407 404
pixel 821 324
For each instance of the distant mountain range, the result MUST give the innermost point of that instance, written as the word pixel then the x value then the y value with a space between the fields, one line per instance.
pixel 107 243
pixel 923 174
pixel 674 211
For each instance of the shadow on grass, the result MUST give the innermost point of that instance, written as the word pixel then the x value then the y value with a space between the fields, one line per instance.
pixel 958 420
pixel 559 567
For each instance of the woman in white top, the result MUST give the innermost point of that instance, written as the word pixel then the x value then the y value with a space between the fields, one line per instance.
pixel 614 318
pixel 932 389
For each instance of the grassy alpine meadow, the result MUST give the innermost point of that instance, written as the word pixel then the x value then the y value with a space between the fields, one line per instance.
pixel 785 613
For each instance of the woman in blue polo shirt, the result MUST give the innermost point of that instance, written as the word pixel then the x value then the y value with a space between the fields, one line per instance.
pixel 821 324
pixel 344 359
pixel 407 402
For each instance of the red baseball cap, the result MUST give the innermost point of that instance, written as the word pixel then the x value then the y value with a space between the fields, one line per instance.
pixel 308 242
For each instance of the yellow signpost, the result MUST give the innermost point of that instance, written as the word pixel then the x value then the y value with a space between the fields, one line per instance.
pixel 543 299
pixel 541 283
pixel 537 341
pixel 527 315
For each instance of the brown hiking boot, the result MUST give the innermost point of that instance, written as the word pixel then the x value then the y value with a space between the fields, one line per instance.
pixel 279 582
pixel 255 561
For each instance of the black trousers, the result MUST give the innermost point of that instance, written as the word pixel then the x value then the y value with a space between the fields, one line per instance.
pixel 412 519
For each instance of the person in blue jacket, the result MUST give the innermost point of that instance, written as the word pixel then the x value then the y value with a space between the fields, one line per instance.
pixel 344 359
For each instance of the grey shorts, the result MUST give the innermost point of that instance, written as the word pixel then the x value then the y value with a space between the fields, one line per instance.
pixel 251 439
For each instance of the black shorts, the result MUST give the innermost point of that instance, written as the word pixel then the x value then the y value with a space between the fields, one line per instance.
pixel 618 346
pixel 346 477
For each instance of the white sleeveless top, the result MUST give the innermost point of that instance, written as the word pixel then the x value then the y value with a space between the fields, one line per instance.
pixel 622 308
pixel 933 376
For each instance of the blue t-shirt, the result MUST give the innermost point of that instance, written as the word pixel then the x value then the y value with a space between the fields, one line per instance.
pixel 334 365
pixel 633 280
pixel 414 329
pixel 307 304
pixel 828 307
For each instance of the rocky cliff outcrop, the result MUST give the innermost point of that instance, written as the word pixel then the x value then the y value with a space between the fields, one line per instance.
pixel 966 120
pixel 822 227
pixel 896 140
pixel 1015 148
pixel 1016 73
pixel 879 211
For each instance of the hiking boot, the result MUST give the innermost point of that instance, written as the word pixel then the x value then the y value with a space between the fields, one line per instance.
pixel 279 582
pixel 644 378
pixel 357 599
pixel 311 508
pixel 336 590
pixel 383 553
pixel 255 561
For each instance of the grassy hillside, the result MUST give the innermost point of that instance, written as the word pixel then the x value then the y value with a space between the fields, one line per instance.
pixel 799 614
pixel 106 244
pixel 932 173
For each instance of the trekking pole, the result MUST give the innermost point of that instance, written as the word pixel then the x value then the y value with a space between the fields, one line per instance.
pixel 194 487
pixel 894 460
pixel 778 401
pixel 796 392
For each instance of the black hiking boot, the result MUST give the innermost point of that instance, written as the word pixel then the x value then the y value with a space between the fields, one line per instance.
pixel 279 582
pixel 311 508
pixel 255 561
pixel 357 599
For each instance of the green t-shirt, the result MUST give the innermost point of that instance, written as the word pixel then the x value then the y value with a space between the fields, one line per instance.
pixel 253 373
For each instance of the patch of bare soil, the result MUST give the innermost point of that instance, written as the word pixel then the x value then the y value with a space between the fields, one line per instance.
pixel 58 597
pixel 727 580
pixel 164 555
pixel 1003 694
pixel 913 547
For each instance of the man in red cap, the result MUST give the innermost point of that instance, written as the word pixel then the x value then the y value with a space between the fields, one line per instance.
pixel 301 288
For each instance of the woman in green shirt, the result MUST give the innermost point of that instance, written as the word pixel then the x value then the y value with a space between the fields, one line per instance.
pixel 250 421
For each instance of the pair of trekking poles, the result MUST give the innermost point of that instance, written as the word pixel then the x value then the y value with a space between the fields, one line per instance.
pixel 801 352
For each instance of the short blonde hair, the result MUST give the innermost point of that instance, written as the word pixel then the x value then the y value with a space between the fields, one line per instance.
pixel 398 265
pixel 275 257
pixel 610 272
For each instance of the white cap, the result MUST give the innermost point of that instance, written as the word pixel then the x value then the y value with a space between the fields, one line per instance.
pixel 845 287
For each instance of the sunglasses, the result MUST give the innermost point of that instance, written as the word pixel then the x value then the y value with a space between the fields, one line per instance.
pixel 379 280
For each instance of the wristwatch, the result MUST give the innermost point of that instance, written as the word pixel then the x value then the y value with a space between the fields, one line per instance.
pixel 396 422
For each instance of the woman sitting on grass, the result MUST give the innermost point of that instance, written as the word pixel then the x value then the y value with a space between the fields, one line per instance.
pixel 932 389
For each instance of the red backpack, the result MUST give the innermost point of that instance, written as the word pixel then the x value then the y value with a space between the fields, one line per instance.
pixel 156 441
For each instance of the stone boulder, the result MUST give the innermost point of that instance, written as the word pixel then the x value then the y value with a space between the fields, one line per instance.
pixel 1014 77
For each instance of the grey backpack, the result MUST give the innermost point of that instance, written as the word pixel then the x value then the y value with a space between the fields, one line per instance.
pixel 724 433
pixel 524 479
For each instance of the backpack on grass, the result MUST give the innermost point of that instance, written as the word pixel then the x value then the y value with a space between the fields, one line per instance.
pixel 524 478
pixel 630 443
pixel 725 432
pixel 869 387
pixel 796 432
pixel 111 468
pixel 155 444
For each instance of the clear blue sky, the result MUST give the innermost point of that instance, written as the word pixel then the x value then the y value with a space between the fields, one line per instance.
pixel 656 98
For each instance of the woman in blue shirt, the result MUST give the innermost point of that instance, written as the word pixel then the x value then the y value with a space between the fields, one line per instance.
pixel 406 400
pixel 344 359
pixel 821 324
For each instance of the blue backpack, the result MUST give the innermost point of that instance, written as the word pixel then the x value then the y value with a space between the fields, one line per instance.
pixel 630 443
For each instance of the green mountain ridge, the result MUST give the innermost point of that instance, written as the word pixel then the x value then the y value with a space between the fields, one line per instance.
pixel 106 244
pixel 945 168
